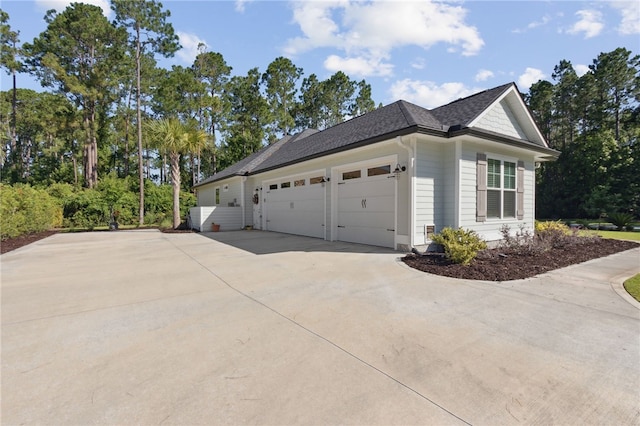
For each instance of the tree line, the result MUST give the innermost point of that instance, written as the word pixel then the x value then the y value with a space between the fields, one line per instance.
pixel 103 84
pixel 594 120
pixel 109 110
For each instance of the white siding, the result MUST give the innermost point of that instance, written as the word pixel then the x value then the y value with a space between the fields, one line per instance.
pixel 490 230
pixel 207 193
pixel 500 119
pixel 229 218
pixel 430 186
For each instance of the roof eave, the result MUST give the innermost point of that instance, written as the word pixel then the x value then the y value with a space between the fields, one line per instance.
pixel 549 153
pixel 401 132
pixel 207 182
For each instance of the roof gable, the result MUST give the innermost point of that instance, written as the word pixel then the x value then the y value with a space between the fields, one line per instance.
pixel 462 112
pixel 509 115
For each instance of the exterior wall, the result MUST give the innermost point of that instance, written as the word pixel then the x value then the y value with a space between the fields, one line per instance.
pixel 500 119
pixel 433 196
pixel 229 218
pixel 490 229
pixel 207 193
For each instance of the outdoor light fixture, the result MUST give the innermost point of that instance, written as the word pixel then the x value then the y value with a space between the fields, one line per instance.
pixel 325 179
pixel 399 169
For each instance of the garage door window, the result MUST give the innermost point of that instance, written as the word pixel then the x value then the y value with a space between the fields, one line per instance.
pixel 380 170
pixel 299 182
pixel 356 174
pixel 273 186
pixel 285 185
pixel 315 180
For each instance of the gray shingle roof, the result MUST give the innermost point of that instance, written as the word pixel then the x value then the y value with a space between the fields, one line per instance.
pixel 398 118
pixel 463 111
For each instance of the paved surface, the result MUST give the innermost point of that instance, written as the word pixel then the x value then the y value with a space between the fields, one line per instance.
pixel 141 327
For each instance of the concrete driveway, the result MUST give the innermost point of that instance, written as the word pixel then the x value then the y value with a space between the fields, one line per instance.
pixel 140 327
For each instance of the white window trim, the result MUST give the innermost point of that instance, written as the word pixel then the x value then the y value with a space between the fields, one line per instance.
pixel 502 190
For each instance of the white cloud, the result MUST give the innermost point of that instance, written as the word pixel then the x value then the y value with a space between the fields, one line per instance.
pixel 535 24
pixel 358 66
pixel 581 69
pixel 530 76
pixel 190 43
pixel 630 11
pixel 590 23
pixel 429 94
pixel 369 31
pixel 483 75
pixel 61 5
pixel 240 5
pixel 419 64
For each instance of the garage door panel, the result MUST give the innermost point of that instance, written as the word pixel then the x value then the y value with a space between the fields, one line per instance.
pixel 373 219
pixel 379 203
pixel 296 210
pixel 366 211
pixel 366 235
pixel 366 187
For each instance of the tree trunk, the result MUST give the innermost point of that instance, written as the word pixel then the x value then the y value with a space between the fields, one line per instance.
pixel 139 119
pixel 174 157
pixel 13 111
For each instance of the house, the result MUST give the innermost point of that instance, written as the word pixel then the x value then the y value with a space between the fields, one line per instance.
pixel 391 177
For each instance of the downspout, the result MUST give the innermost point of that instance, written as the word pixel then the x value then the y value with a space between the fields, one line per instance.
pixel 243 202
pixel 411 173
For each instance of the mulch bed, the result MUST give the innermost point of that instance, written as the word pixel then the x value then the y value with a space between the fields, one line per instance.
pixel 14 243
pixel 504 265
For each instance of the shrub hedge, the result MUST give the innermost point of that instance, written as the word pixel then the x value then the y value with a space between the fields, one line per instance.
pixel 24 210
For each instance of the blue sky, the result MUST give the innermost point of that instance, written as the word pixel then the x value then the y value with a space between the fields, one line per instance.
pixel 420 51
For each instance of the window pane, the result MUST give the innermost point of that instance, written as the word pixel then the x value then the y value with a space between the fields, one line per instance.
pixel 298 182
pixel 351 175
pixel 493 204
pixel 509 175
pixel 381 170
pixel 217 196
pixel 315 180
pixel 493 173
pixel 273 186
pixel 285 185
pixel 509 204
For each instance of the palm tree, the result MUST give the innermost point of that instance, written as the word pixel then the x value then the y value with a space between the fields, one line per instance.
pixel 175 138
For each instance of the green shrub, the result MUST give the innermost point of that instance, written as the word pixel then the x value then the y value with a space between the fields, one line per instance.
pixel 552 226
pixel 460 246
pixel 621 220
pixel 85 209
pixel 25 210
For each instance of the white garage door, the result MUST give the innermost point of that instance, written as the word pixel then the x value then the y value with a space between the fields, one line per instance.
pixel 296 206
pixel 366 206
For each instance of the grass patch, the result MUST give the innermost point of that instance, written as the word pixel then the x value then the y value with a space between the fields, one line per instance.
pixel 632 285
pixel 616 235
